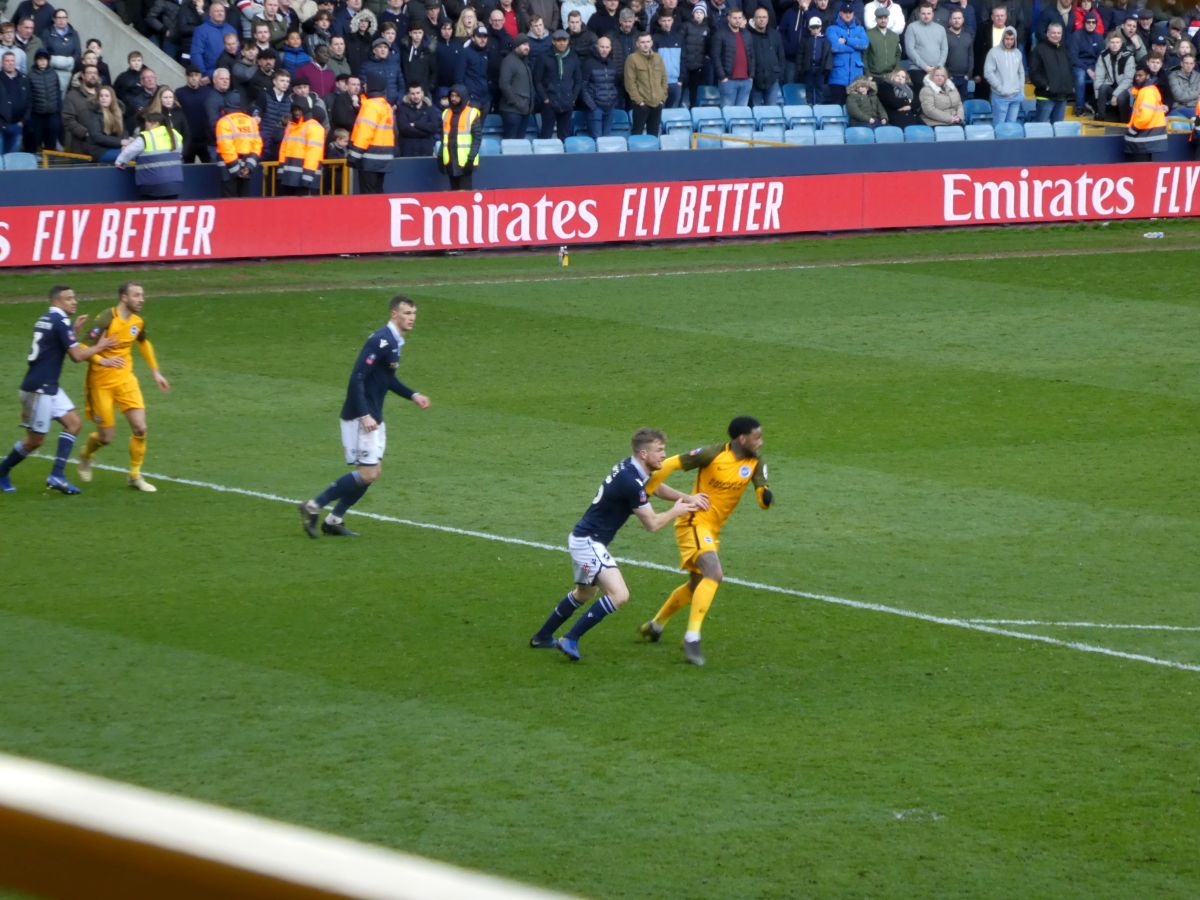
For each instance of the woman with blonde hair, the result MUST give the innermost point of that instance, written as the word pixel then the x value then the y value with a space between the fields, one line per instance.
pixel 165 103
pixel 940 101
pixel 896 95
pixel 467 22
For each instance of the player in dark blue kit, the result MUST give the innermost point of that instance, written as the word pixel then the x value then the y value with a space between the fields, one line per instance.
pixel 364 436
pixel 622 494
pixel 42 400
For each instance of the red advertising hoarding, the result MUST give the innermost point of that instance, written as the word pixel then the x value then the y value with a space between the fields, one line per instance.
pixel 312 226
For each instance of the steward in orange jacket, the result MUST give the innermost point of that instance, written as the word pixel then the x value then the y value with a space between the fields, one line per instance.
pixel 300 153
pixel 239 145
pixel 1147 131
pixel 373 141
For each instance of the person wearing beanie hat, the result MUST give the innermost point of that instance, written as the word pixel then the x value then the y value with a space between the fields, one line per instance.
pixel 516 89
pixel 45 104
pixel 239 146
pixel 696 34
pixel 462 136
pixel 373 140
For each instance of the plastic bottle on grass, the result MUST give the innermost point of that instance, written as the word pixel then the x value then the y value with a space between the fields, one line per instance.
pixel 1153 235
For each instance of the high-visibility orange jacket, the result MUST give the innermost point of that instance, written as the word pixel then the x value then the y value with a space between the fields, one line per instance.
pixel 300 154
pixel 373 141
pixel 1147 131
pixel 239 144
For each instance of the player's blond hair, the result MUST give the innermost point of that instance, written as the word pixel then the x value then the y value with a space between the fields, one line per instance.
pixel 644 437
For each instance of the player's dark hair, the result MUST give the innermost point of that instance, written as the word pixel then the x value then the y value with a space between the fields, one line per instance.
pixel 57 291
pixel 742 425
pixel 401 300
pixel 125 286
pixel 644 437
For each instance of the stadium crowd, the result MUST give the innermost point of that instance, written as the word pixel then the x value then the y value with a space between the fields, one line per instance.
pixel 889 61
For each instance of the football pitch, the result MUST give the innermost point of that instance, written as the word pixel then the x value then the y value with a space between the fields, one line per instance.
pixel 959 657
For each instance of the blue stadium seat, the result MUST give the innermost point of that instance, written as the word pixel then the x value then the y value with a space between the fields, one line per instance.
pixel 889 134
pixel 1 163
pixel 736 145
pixel 710 143
pixel 980 132
pixel 493 125
pixel 830 114
pixel 1039 130
pixel 738 119
pixel 676 140
pixel 515 147
pixel 1068 129
pixel 612 144
pixel 547 146
pixel 708 95
pixel 771 133
pixel 859 134
pixel 489 146
pixel 1179 124
pixel 621 123
pixel 918 134
pixel 676 120
pixel 834 134
pixel 977 111
pixel 642 142
pixel 1009 130
pixel 18 160
pixel 801 135
pixel 579 143
pixel 769 117
pixel 708 118
pixel 948 133
pixel 799 115
pixel 795 95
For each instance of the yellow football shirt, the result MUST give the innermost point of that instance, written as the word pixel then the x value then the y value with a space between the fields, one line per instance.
pixel 127 332
pixel 720 474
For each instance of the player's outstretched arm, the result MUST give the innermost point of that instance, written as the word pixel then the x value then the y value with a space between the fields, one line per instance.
pixel 666 492
pixel 653 521
pixel 80 352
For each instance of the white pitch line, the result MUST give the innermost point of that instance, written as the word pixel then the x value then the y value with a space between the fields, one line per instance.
pixel 968 624
pixel 1113 626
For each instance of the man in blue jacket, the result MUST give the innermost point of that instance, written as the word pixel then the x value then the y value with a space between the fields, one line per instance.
pixel 847 41
pixel 208 40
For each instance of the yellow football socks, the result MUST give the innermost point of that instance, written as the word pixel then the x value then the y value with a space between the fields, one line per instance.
pixel 702 599
pixel 137 453
pixel 679 598
pixel 93 444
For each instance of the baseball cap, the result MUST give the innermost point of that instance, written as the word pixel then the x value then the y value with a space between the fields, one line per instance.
pixel 1159 39
pixel 814 22
pixel 481 31
pixel 846 7
pixel 1132 14
pixel 1091 17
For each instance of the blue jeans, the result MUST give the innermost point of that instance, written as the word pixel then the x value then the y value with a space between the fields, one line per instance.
pixel 10 137
pixel 735 93
pixel 772 96
pixel 1081 83
pixel 1051 110
pixel 600 122
pixel 674 94
pixel 1005 109
pixel 515 124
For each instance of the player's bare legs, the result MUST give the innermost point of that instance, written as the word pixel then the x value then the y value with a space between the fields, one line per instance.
pixel 616 595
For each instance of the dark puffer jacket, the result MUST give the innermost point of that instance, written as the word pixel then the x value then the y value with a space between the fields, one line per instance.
pixel 601 82
pixel 45 92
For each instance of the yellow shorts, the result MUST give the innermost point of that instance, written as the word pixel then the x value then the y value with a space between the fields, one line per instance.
pixel 101 400
pixel 694 539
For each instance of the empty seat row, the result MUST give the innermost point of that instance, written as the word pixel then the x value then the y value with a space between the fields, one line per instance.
pixel 18 160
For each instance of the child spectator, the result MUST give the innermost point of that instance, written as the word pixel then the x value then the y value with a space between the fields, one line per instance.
pixel 862 103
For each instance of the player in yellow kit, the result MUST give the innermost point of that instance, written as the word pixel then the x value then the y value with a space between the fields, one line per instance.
pixel 723 471
pixel 111 388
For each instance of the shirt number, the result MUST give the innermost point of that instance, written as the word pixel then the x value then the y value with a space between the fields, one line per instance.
pixel 36 349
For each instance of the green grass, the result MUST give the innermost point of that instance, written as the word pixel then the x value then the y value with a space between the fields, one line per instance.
pixel 1010 436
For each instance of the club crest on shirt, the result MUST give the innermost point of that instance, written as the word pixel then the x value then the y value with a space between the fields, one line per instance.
pixel 745 471
pixel 133 330
pixel 371 360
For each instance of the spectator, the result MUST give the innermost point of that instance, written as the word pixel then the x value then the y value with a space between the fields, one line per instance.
pixel 208 40
pixel 668 44
pixel 540 44
pixel 847 41
pixel 77 106
pixel 191 16
pixel 418 62
pixel 318 74
pixel 582 41
pixel 231 53
pixel 769 59
pixel 396 12
pixel 604 20
pixel 339 147
pixel 646 84
pixel 338 64
pixel 940 100
pixel 293 55
pixel 105 123
pixel 1185 86
pixel 8 44
pixel 136 101
pixel 1132 38
pixel 432 21
pixel 1050 72
pixel 733 61
pixel 245 69
pixel 162 25
pixel 343 19
pixel 1082 8
pixel 547 10
pixel 501 42
pixel 165 103
pixel 696 36
pixel 446 52
pixel 465 25
pixel 25 39
pixel 40 11
pixel 624 39
pixel 1086 45
pixel 191 99
pixel 277 26
pixel 883 44
pixel 1154 65
pixel 62 40
pixel 96 49
pixel 128 81
pixel 1146 134
pixel 816 61
pixel 387 67
pixel 260 36
pixel 1114 76
pixel 990 36
pixel 158 149
pixel 343 109
pixel 601 88
pixel 517 94
pixel 274 107
pixel 1004 70
pixel 214 104
pixel 314 106
pixel 261 81
pixel 15 103
pixel 45 105
pixel 360 41
pixel 416 123
pixel 1056 12
pixel 472 70
pixel 891 13
pixel 924 44
pixel 960 51
pixel 319 33
pixel 586 9
pixel 862 103
pixel 558 80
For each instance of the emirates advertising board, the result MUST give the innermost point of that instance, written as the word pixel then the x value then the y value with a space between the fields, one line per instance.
pixel 191 231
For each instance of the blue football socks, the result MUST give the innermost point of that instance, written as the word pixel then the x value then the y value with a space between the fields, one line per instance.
pixel 564 610
pixel 15 458
pixel 349 498
pixel 66 441
pixel 590 619
pixel 339 489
